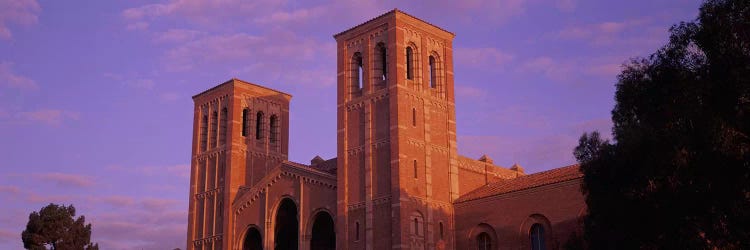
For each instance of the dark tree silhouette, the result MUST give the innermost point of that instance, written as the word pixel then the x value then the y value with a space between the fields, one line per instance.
pixel 54 227
pixel 677 174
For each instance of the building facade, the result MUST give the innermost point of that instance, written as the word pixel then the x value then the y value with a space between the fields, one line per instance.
pixel 397 182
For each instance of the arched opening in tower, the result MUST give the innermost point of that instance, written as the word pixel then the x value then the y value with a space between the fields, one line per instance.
pixel 323 236
pixel 253 240
pixel 286 236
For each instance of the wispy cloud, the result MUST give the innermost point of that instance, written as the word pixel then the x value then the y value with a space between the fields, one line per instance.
pixel 47 198
pixel 23 12
pixel 487 58
pixel 270 48
pixel 52 117
pixel 114 200
pixel 573 69
pixel 566 5
pixel 10 79
pixel 146 84
pixel 169 96
pixel 558 70
pixel 8 235
pixel 179 170
pixel 469 92
pixel 137 26
pixel 136 228
pixel 66 180
pixel 176 36
pixel 632 32
pixel 13 190
pixel 196 11
pixel 153 204
pixel 298 15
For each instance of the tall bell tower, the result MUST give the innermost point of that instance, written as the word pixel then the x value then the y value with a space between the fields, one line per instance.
pixel 397 156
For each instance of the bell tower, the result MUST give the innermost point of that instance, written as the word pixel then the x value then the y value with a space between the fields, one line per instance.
pixel 240 132
pixel 397 156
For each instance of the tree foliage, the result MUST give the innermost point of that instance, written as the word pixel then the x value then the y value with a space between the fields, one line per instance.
pixel 677 174
pixel 54 227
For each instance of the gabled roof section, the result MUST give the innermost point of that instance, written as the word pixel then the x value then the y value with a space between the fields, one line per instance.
pixel 523 182
pixel 235 80
pixel 392 12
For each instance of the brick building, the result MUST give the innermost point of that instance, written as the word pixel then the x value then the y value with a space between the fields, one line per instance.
pixel 397 181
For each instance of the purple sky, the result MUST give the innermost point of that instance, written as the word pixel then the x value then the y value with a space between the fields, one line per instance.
pixel 95 105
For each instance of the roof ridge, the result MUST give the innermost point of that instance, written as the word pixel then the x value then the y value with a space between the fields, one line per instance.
pixel 536 180
pixel 394 10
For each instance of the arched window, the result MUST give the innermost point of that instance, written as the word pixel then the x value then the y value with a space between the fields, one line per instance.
pixel 381 63
pixel 416 226
pixel 214 129
pixel 204 133
pixel 409 63
pixel 433 78
pixel 356 232
pixel 484 242
pixel 415 169
pixel 259 126
pixel 274 137
pixel 223 127
pixel 537 237
pixel 253 240
pixel 441 230
pixel 414 117
pixel 245 121
pixel 357 72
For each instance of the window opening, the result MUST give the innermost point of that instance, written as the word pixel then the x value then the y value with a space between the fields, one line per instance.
pixel 245 121
pixel 259 126
pixel 433 79
pixel 484 242
pixel 409 63
pixel 537 237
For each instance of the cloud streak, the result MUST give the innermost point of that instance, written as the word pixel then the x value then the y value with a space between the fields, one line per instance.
pixel 487 58
pixel 22 12
pixel 66 180
pixel 9 79
pixel 52 117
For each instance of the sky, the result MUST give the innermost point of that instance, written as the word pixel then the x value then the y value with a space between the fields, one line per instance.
pixel 96 108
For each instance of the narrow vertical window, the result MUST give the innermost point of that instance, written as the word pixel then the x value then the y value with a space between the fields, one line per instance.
pixel 441 230
pixel 356 233
pixel 537 237
pixel 433 79
pixel 414 117
pixel 214 129
pixel 416 226
pixel 259 126
pixel 245 121
pixel 357 72
pixel 361 75
pixel 409 63
pixel 274 137
pixel 204 133
pixel 383 64
pixel 415 169
pixel 223 126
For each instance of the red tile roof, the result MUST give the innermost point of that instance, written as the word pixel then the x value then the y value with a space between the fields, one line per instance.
pixel 523 182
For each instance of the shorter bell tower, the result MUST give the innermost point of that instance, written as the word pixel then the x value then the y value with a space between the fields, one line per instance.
pixel 240 132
